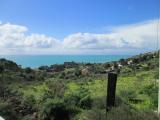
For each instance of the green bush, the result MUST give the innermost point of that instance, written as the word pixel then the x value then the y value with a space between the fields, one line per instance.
pixel 7 112
pixel 56 109
pixel 94 114
pixel 99 102
pixel 128 94
pixel 56 87
pixel 1 68
pixel 29 101
pixel 124 112
pixel 85 102
pixel 80 98
pixel 152 91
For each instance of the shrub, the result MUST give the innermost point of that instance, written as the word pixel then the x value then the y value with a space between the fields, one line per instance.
pixel 80 98
pixel 56 87
pixel 128 94
pixel 55 109
pixel 29 101
pixel 9 65
pixel 77 72
pixel 1 68
pixel 94 114
pixel 28 70
pixel 6 111
pixel 99 102
pixel 124 112
pixel 86 102
pixel 152 92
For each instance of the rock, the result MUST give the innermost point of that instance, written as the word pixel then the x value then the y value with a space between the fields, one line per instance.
pixel 85 71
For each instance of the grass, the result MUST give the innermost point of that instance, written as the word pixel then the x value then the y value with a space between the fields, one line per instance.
pixel 97 88
pixel 137 92
pixel 132 84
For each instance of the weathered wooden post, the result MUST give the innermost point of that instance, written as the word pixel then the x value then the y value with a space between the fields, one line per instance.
pixel 111 90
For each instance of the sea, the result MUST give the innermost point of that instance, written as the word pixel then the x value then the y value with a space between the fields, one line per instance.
pixel 35 61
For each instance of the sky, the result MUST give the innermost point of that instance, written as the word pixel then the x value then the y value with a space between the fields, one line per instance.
pixel 78 26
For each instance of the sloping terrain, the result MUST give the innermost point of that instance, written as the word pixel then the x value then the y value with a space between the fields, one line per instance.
pixel 77 91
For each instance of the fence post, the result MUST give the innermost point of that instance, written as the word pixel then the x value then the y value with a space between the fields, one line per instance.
pixel 111 90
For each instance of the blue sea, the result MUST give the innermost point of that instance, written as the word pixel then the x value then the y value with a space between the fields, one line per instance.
pixel 34 61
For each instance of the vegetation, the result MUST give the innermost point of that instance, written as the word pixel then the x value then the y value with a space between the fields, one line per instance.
pixel 77 91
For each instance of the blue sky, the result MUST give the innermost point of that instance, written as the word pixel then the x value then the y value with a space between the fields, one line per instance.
pixel 61 19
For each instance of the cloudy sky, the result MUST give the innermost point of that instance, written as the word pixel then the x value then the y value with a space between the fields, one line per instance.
pixel 78 26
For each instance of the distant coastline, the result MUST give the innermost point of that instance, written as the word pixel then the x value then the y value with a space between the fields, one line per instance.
pixel 35 61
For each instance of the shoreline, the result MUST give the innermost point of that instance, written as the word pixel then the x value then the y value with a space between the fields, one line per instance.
pixel 38 61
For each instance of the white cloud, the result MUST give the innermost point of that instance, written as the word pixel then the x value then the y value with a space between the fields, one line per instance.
pixel 42 41
pixel 124 39
pixel 14 36
pixel 11 35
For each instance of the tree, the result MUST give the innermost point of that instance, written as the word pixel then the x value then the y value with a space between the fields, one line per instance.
pixel 2 86
pixel 28 70
pixel 123 61
pixel 1 69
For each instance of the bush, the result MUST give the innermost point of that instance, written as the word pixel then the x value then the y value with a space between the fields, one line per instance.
pixel 94 114
pixel 80 98
pixel 77 72
pixel 6 111
pixel 128 95
pixel 28 70
pixel 152 92
pixel 29 101
pixel 86 102
pixel 56 87
pixel 55 109
pixel 124 112
pixel 1 68
pixel 99 102
pixel 9 65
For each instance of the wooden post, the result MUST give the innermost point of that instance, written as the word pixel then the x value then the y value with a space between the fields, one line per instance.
pixel 111 90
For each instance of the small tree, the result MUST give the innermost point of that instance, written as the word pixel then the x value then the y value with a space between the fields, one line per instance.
pixel 1 69
pixel 123 62
pixel 2 86
pixel 28 70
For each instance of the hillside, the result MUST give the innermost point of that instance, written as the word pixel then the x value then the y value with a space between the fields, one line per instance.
pixel 77 91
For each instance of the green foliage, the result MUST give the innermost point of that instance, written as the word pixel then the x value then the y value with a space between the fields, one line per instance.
pixel 123 61
pixel 28 70
pixel 56 87
pixel 152 91
pixel 124 112
pixel 99 102
pixel 9 65
pixel 77 72
pixel 56 110
pixel 29 101
pixel 1 68
pixel 128 95
pixel 80 97
pixel 61 92
pixel 7 112
pixel 93 114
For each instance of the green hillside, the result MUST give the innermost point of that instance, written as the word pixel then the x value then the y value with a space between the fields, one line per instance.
pixel 77 91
